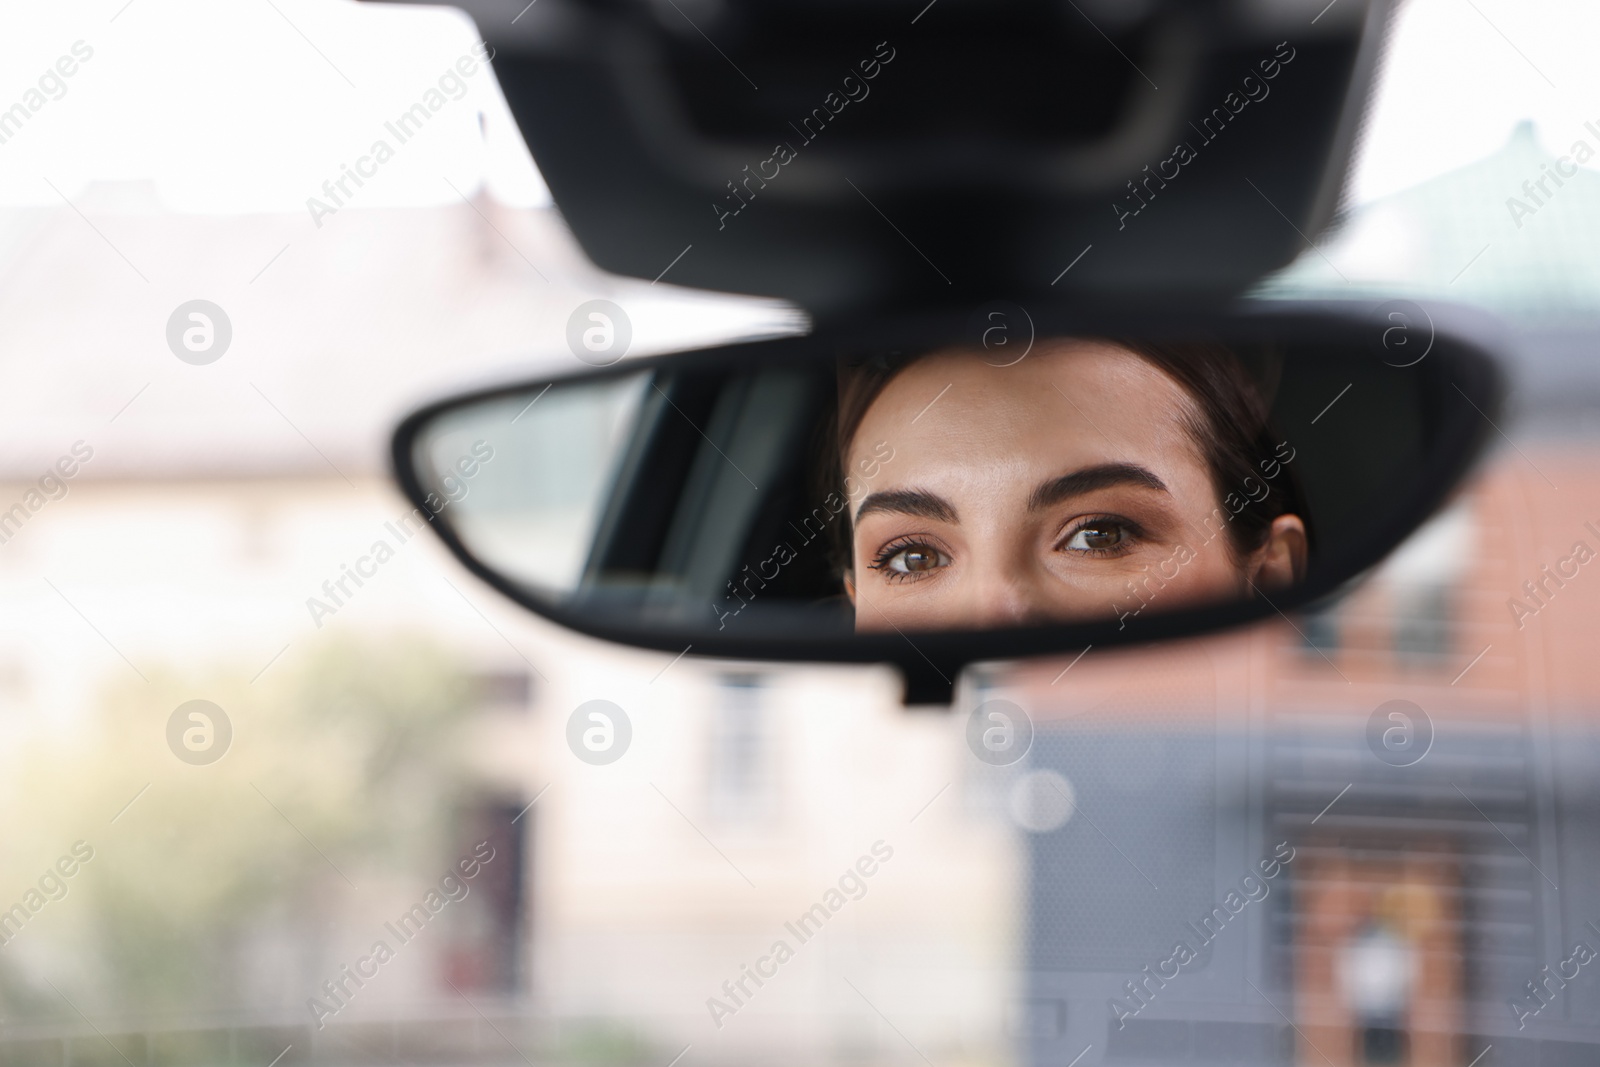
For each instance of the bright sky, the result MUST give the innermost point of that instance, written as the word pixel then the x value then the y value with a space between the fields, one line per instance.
pixel 1459 74
pixel 250 105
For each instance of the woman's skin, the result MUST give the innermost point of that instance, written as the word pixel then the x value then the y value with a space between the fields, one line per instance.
pixel 1067 486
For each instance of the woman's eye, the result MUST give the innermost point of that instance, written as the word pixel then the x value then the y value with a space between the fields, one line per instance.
pixel 1099 536
pixel 912 559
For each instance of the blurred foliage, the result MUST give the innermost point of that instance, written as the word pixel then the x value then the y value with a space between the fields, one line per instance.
pixel 605 1041
pixel 218 885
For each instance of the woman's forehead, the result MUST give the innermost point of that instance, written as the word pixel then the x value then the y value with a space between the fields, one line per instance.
pixel 1069 399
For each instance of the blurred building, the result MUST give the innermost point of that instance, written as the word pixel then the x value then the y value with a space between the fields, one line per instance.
pixel 1424 909
pixel 208 508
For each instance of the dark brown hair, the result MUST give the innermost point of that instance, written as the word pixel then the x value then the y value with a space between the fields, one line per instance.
pixel 1229 426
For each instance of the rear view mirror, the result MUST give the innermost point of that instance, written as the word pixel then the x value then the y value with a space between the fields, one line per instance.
pixel 931 492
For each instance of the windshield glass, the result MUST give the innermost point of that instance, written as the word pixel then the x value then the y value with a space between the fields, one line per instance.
pixel 283 784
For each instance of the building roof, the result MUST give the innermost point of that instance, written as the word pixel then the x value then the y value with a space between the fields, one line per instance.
pixel 1483 234
pixel 337 329
pixel 1486 235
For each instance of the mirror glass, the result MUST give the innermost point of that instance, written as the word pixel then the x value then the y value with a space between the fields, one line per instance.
pixel 1095 479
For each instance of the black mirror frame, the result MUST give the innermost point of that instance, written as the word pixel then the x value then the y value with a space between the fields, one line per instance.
pixel 930 661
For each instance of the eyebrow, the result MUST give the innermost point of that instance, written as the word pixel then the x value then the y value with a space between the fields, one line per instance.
pixel 926 505
pixel 1087 480
pixel 918 502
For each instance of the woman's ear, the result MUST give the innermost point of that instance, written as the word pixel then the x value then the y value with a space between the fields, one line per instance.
pixel 850 586
pixel 1281 561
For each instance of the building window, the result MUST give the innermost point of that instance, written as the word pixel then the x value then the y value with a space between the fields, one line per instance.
pixel 741 772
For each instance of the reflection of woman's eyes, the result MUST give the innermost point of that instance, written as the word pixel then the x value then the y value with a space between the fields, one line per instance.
pixel 908 558
pixel 1104 536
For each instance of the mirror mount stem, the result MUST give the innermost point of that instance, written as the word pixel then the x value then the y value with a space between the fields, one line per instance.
pixel 928 685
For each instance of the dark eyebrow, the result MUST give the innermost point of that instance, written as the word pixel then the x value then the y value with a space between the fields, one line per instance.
pixel 1089 479
pixel 917 502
